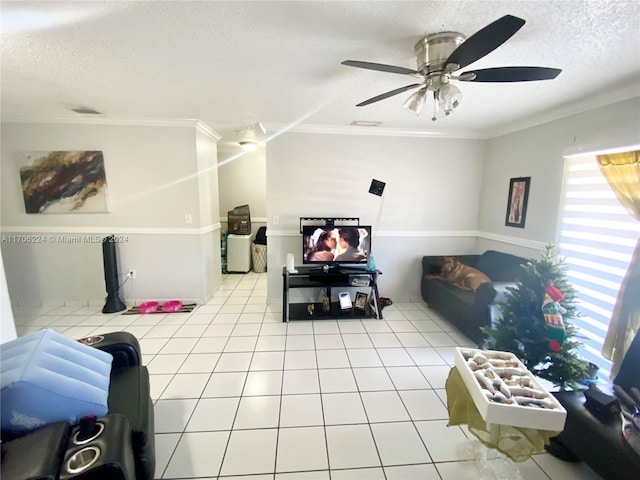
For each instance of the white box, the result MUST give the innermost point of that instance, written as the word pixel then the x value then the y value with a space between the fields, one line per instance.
pixel 551 419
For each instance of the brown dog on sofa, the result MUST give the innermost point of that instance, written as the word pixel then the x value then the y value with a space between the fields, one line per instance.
pixel 460 275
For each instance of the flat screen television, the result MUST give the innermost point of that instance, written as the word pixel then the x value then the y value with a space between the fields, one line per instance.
pixel 342 245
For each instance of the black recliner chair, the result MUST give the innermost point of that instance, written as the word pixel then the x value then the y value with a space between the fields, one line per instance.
pixel 595 440
pixel 118 446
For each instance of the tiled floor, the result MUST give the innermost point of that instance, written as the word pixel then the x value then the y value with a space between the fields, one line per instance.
pixel 239 394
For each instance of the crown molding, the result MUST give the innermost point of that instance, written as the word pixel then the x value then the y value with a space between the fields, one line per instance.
pixel 275 129
pixel 590 102
pixel 116 121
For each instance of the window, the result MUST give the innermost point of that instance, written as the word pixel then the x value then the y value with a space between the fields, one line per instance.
pixel 597 238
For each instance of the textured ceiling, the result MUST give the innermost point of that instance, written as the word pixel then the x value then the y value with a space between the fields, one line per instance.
pixel 231 64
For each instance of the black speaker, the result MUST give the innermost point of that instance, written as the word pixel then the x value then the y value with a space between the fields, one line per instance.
pixel 113 303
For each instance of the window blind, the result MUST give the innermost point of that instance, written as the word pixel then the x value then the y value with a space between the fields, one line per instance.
pixel 597 237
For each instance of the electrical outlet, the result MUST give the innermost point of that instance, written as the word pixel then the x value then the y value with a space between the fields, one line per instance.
pixel 131 274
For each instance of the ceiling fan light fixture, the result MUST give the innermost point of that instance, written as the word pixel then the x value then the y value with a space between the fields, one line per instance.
pixel 415 102
pixel 448 97
pixel 248 146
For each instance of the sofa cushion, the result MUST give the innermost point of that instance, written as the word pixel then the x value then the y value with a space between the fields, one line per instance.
pixel 498 266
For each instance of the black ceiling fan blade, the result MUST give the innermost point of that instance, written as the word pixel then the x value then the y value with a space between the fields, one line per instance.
pixel 381 67
pixel 485 41
pixel 382 96
pixel 510 74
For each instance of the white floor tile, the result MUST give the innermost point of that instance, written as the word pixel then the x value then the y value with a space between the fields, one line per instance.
pixel 436 375
pixel 198 454
pixel 371 379
pixel 300 359
pixel 358 474
pixel 225 384
pixel 268 382
pixel 246 330
pixel 267 361
pixel 187 385
pixel 300 342
pixel 367 357
pixel 271 343
pixel 250 452
pixel 234 362
pixel 190 331
pixel 258 412
pixel 179 345
pixel 325 327
pixel 301 449
pixel 241 344
pixel 301 410
pixel 213 414
pixel 317 475
pixel 385 340
pixel 166 363
pixel 199 363
pixel 426 356
pixel 395 357
pixel 412 340
pixel 332 358
pixel 210 345
pixel 412 472
pixel 445 444
pixel 336 380
pixel 165 444
pixel 399 444
pixel 351 446
pixel 328 341
pixel 384 407
pixel 407 378
pixel 343 409
pixel 423 405
pixel 300 381
pixel 356 340
pixel 171 416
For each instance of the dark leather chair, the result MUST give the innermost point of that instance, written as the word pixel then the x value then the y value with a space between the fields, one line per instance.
pixel 119 446
pixel 598 441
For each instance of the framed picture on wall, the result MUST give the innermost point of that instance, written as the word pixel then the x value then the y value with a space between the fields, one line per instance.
pixel 517 201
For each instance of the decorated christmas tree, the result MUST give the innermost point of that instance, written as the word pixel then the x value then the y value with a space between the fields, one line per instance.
pixel 535 323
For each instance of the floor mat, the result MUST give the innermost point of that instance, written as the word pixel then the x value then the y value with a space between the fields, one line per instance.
pixel 186 308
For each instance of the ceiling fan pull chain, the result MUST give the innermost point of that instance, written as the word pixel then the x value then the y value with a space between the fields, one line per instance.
pixel 435 107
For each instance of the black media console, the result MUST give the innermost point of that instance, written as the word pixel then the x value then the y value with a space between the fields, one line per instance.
pixel 341 277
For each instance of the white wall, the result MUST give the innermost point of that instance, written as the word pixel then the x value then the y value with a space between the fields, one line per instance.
pixel 7 326
pixel 154 179
pixel 242 181
pixel 430 201
pixel 538 152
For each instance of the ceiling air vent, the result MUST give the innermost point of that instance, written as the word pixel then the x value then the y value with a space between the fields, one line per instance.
pixel 85 111
pixel 363 123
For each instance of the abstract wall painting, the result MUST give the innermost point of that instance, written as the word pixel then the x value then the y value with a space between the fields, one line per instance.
pixel 64 182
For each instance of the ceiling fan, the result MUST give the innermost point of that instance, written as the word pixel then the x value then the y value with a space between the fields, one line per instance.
pixel 441 54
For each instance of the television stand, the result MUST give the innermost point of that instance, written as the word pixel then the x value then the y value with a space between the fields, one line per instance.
pixel 339 277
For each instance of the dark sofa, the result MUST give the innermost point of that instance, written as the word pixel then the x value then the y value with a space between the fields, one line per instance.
pixel 467 310
pixel 595 440
pixel 124 438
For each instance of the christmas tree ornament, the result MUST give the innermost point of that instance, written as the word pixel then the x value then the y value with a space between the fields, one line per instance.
pixel 552 311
